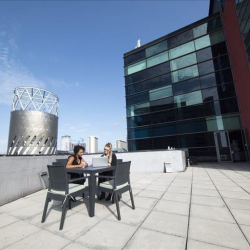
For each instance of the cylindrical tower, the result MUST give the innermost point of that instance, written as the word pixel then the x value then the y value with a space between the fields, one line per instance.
pixel 33 122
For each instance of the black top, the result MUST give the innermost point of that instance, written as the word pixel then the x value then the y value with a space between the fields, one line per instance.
pixel 75 160
pixel 114 159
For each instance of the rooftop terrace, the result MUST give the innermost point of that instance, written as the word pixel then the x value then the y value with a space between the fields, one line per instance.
pixel 205 207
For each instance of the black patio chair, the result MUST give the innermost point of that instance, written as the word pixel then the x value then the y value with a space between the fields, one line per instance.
pixel 61 189
pixel 119 183
pixel 119 160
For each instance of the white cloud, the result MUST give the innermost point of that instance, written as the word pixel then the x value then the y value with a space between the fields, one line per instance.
pixel 116 124
pixel 12 73
pixel 85 125
pixel 58 83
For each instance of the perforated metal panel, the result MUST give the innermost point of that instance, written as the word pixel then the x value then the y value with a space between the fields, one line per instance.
pixel 33 123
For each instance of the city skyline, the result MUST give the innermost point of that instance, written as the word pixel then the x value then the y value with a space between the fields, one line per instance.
pixel 75 50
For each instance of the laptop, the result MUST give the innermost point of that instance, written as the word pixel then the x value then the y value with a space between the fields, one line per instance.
pixel 100 162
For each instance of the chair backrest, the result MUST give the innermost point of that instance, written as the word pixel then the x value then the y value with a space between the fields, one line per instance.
pixel 119 160
pixel 58 178
pixel 62 161
pixel 122 172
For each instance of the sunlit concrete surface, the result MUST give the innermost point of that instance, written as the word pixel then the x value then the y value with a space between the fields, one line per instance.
pixel 205 207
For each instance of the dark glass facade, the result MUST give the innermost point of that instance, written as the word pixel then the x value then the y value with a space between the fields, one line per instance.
pixel 180 92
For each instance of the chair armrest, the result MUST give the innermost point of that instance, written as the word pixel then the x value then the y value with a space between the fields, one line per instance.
pixel 106 176
pixel 77 179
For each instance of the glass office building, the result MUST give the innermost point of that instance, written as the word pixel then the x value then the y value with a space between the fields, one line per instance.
pixel 180 93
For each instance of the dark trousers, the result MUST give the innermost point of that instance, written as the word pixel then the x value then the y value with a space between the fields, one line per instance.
pixel 108 173
pixel 75 176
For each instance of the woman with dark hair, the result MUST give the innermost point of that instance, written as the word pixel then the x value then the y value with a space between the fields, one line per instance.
pixel 76 161
pixel 112 161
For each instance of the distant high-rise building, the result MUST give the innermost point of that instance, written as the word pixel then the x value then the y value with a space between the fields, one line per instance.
pixel 121 144
pixel 93 144
pixel 66 143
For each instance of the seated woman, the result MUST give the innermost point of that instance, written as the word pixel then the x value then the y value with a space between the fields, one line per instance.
pixel 76 161
pixel 112 161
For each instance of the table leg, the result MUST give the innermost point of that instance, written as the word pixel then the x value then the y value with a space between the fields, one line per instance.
pixel 92 192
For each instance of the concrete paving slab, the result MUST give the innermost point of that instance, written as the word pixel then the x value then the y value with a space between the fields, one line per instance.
pixel 151 193
pixel 15 232
pixel 144 181
pixel 156 188
pixel 208 201
pixel 16 205
pixel 143 202
pixel 212 213
pixel 74 226
pixel 246 231
pixel 198 245
pixel 217 233
pixel 204 186
pixel 167 223
pixel 146 239
pixel 205 192
pixel 162 183
pixel 139 186
pixel 197 181
pixel 41 240
pixel 229 188
pixel 6 219
pixel 181 190
pixel 40 198
pixel 241 216
pixel 181 184
pixel 76 246
pixel 173 207
pixel 53 216
pixel 29 211
pixel 107 235
pixel 235 195
pixel 130 216
pixel 176 197
pixel 238 204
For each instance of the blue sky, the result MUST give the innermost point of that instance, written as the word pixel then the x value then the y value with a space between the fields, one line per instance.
pixel 75 49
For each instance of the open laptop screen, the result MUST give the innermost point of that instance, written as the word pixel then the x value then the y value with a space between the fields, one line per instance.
pixel 100 162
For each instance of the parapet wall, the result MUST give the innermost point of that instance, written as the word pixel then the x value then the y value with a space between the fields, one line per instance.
pixel 19 175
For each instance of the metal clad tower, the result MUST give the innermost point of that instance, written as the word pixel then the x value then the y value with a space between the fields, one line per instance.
pixel 33 122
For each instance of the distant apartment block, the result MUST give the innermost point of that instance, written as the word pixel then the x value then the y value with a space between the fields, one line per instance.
pixel 121 144
pixel 93 144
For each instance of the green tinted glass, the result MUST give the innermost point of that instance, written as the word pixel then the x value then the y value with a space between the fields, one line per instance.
pixel 184 74
pixel 157 48
pixel 183 62
pixel 202 42
pixel 181 50
pixel 188 99
pixel 159 93
pixel 136 67
pixel 138 109
pixel 160 58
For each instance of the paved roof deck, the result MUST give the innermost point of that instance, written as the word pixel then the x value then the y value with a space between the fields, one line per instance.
pixel 205 207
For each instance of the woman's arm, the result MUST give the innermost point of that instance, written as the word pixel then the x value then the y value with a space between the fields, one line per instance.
pixel 70 161
pixel 114 160
pixel 84 162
